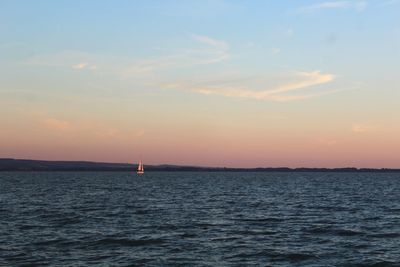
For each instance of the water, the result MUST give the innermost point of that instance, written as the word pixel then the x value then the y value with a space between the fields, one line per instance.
pixel 199 219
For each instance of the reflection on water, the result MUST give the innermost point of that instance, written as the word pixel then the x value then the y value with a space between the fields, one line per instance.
pixel 203 219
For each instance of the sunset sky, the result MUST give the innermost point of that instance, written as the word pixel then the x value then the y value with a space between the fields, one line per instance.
pixel 211 83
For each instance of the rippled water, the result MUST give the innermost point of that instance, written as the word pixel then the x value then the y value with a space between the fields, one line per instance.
pixel 200 219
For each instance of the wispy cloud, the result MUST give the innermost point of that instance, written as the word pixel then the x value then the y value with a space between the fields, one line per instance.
pixel 204 50
pixel 107 133
pixel 356 5
pixel 84 65
pixel 306 79
pixel 214 51
pixel 276 50
pixel 87 128
pixel 210 41
pixel 80 66
pixel 145 66
pixel 326 142
pixel 176 70
pixel 74 59
pixel 56 124
pixel 361 128
pixel 283 92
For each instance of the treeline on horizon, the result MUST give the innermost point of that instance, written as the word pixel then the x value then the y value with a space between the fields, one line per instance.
pixel 9 164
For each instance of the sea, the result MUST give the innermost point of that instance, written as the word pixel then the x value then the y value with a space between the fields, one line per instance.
pixel 199 219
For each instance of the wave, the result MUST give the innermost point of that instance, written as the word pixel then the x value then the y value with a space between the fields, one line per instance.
pixel 333 231
pixel 375 264
pixel 254 232
pixel 261 220
pixel 345 232
pixel 385 235
pixel 129 242
pixel 277 256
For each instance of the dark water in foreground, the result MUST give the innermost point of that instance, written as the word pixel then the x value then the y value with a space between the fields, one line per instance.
pixel 200 219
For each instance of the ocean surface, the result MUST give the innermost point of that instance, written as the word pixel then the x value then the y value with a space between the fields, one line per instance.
pixel 199 219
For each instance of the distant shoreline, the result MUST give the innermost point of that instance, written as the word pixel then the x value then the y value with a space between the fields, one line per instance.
pixel 25 165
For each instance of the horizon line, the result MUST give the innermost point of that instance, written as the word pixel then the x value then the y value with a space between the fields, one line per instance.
pixel 206 167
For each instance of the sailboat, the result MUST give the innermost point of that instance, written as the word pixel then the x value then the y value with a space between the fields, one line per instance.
pixel 140 168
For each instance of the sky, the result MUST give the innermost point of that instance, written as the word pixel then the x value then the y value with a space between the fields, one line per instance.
pixel 205 83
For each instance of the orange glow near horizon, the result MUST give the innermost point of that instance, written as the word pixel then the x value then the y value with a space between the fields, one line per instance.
pixel 218 145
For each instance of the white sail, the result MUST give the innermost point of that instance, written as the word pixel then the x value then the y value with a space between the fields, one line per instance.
pixel 140 169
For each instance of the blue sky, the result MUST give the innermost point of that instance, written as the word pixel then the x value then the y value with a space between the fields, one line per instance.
pixel 83 70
